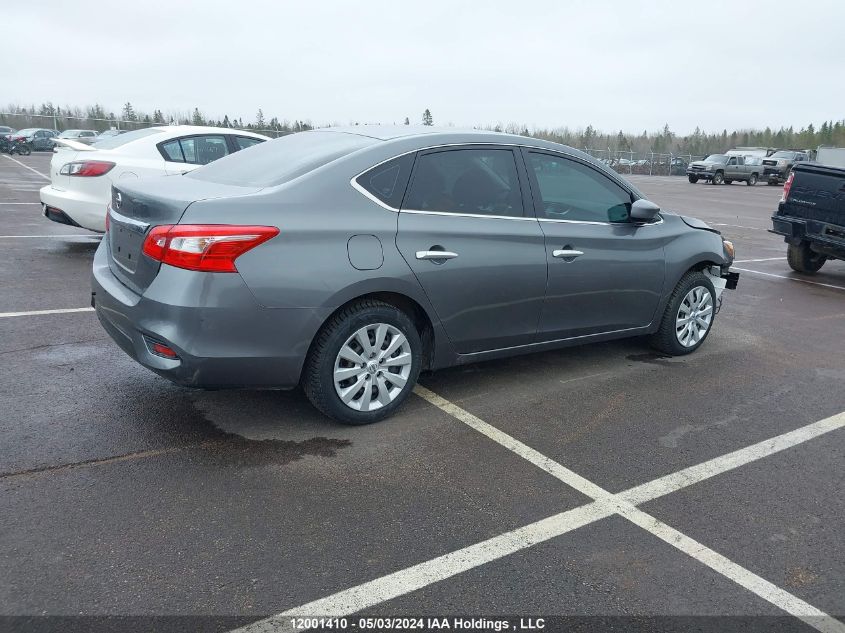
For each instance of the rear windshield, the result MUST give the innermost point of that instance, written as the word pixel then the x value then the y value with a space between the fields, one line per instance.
pixel 281 160
pixel 110 142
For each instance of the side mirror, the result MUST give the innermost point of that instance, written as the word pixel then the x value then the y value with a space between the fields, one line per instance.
pixel 644 210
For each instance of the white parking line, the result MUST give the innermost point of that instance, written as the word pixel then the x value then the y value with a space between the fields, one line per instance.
pixel 606 504
pixel 4 315
pixel 764 259
pixel 740 226
pixel 806 281
pixel 17 203
pixel 44 176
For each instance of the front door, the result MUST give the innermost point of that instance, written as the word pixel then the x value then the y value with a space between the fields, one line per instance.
pixel 474 245
pixel 606 273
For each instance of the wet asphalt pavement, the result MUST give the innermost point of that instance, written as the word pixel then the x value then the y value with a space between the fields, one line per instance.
pixel 124 495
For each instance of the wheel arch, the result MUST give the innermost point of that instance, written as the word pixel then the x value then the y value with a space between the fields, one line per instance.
pixel 428 328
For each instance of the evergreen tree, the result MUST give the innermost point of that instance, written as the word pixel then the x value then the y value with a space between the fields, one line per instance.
pixel 158 117
pixel 259 120
pixel 197 118
pixel 129 112
pixel 226 121
pixel 427 119
pixel 407 121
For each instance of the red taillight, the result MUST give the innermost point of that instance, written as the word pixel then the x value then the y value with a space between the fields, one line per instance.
pixel 163 350
pixel 787 186
pixel 204 247
pixel 86 168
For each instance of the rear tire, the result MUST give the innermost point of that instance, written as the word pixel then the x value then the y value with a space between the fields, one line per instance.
pixel 688 317
pixel 718 178
pixel 693 179
pixel 370 393
pixel 729 182
pixel 802 260
pixel 752 180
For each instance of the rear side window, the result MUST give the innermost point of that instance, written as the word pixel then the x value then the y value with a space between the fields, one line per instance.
pixel 172 151
pixel 242 142
pixel 196 150
pixel 575 192
pixel 388 181
pixel 472 181
pixel 283 159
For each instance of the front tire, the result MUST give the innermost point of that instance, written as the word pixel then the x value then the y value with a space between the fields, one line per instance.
pixel 688 316
pixel 718 178
pixel 693 179
pixel 363 363
pixel 803 260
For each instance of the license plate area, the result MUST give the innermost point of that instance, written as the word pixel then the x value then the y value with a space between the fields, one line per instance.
pixel 125 244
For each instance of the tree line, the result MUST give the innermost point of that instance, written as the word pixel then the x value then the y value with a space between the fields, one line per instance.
pixel 660 141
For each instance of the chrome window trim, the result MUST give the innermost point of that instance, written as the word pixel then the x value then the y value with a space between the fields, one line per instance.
pixel 357 187
pixel 522 218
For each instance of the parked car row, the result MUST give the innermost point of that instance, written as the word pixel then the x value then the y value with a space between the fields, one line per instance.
pixel 750 167
pixel 41 139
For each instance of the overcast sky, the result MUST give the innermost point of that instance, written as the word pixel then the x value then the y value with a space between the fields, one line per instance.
pixel 616 65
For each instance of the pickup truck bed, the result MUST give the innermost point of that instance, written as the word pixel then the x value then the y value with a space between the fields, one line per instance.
pixel 811 216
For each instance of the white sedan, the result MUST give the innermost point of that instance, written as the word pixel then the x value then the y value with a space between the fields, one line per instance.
pixel 82 175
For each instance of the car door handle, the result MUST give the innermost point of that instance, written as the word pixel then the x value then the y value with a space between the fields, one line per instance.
pixel 566 253
pixel 436 255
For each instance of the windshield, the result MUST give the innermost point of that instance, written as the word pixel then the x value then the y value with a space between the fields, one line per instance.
pixel 789 155
pixel 716 158
pixel 111 142
pixel 281 160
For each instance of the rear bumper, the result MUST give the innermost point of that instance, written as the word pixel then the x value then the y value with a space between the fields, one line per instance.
pixel 233 345
pixel 84 210
pixel 823 237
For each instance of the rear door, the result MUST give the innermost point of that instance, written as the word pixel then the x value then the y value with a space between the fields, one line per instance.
pixel 606 273
pixel 467 231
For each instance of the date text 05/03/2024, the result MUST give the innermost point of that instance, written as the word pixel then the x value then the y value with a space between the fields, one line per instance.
pixel 419 624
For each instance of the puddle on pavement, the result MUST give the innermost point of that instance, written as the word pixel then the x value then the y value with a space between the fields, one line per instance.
pixel 652 358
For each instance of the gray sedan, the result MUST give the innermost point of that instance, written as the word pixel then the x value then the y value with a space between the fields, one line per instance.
pixel 348 260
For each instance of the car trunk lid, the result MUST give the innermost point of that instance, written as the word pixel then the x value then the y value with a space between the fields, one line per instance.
pixel 138 207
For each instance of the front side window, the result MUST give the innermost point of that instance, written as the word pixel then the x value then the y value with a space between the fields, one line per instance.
pixel 576 192
pixel 472 181
pixel 732 161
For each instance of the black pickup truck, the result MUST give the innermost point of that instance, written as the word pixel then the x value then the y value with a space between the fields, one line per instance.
pixel 811 216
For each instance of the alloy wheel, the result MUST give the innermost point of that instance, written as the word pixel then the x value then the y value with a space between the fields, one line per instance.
pixel 695 315
pixel 372 367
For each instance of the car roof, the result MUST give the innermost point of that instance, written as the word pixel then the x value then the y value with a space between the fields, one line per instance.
pixel 422 136
pixel 180 130
pixel 390 132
